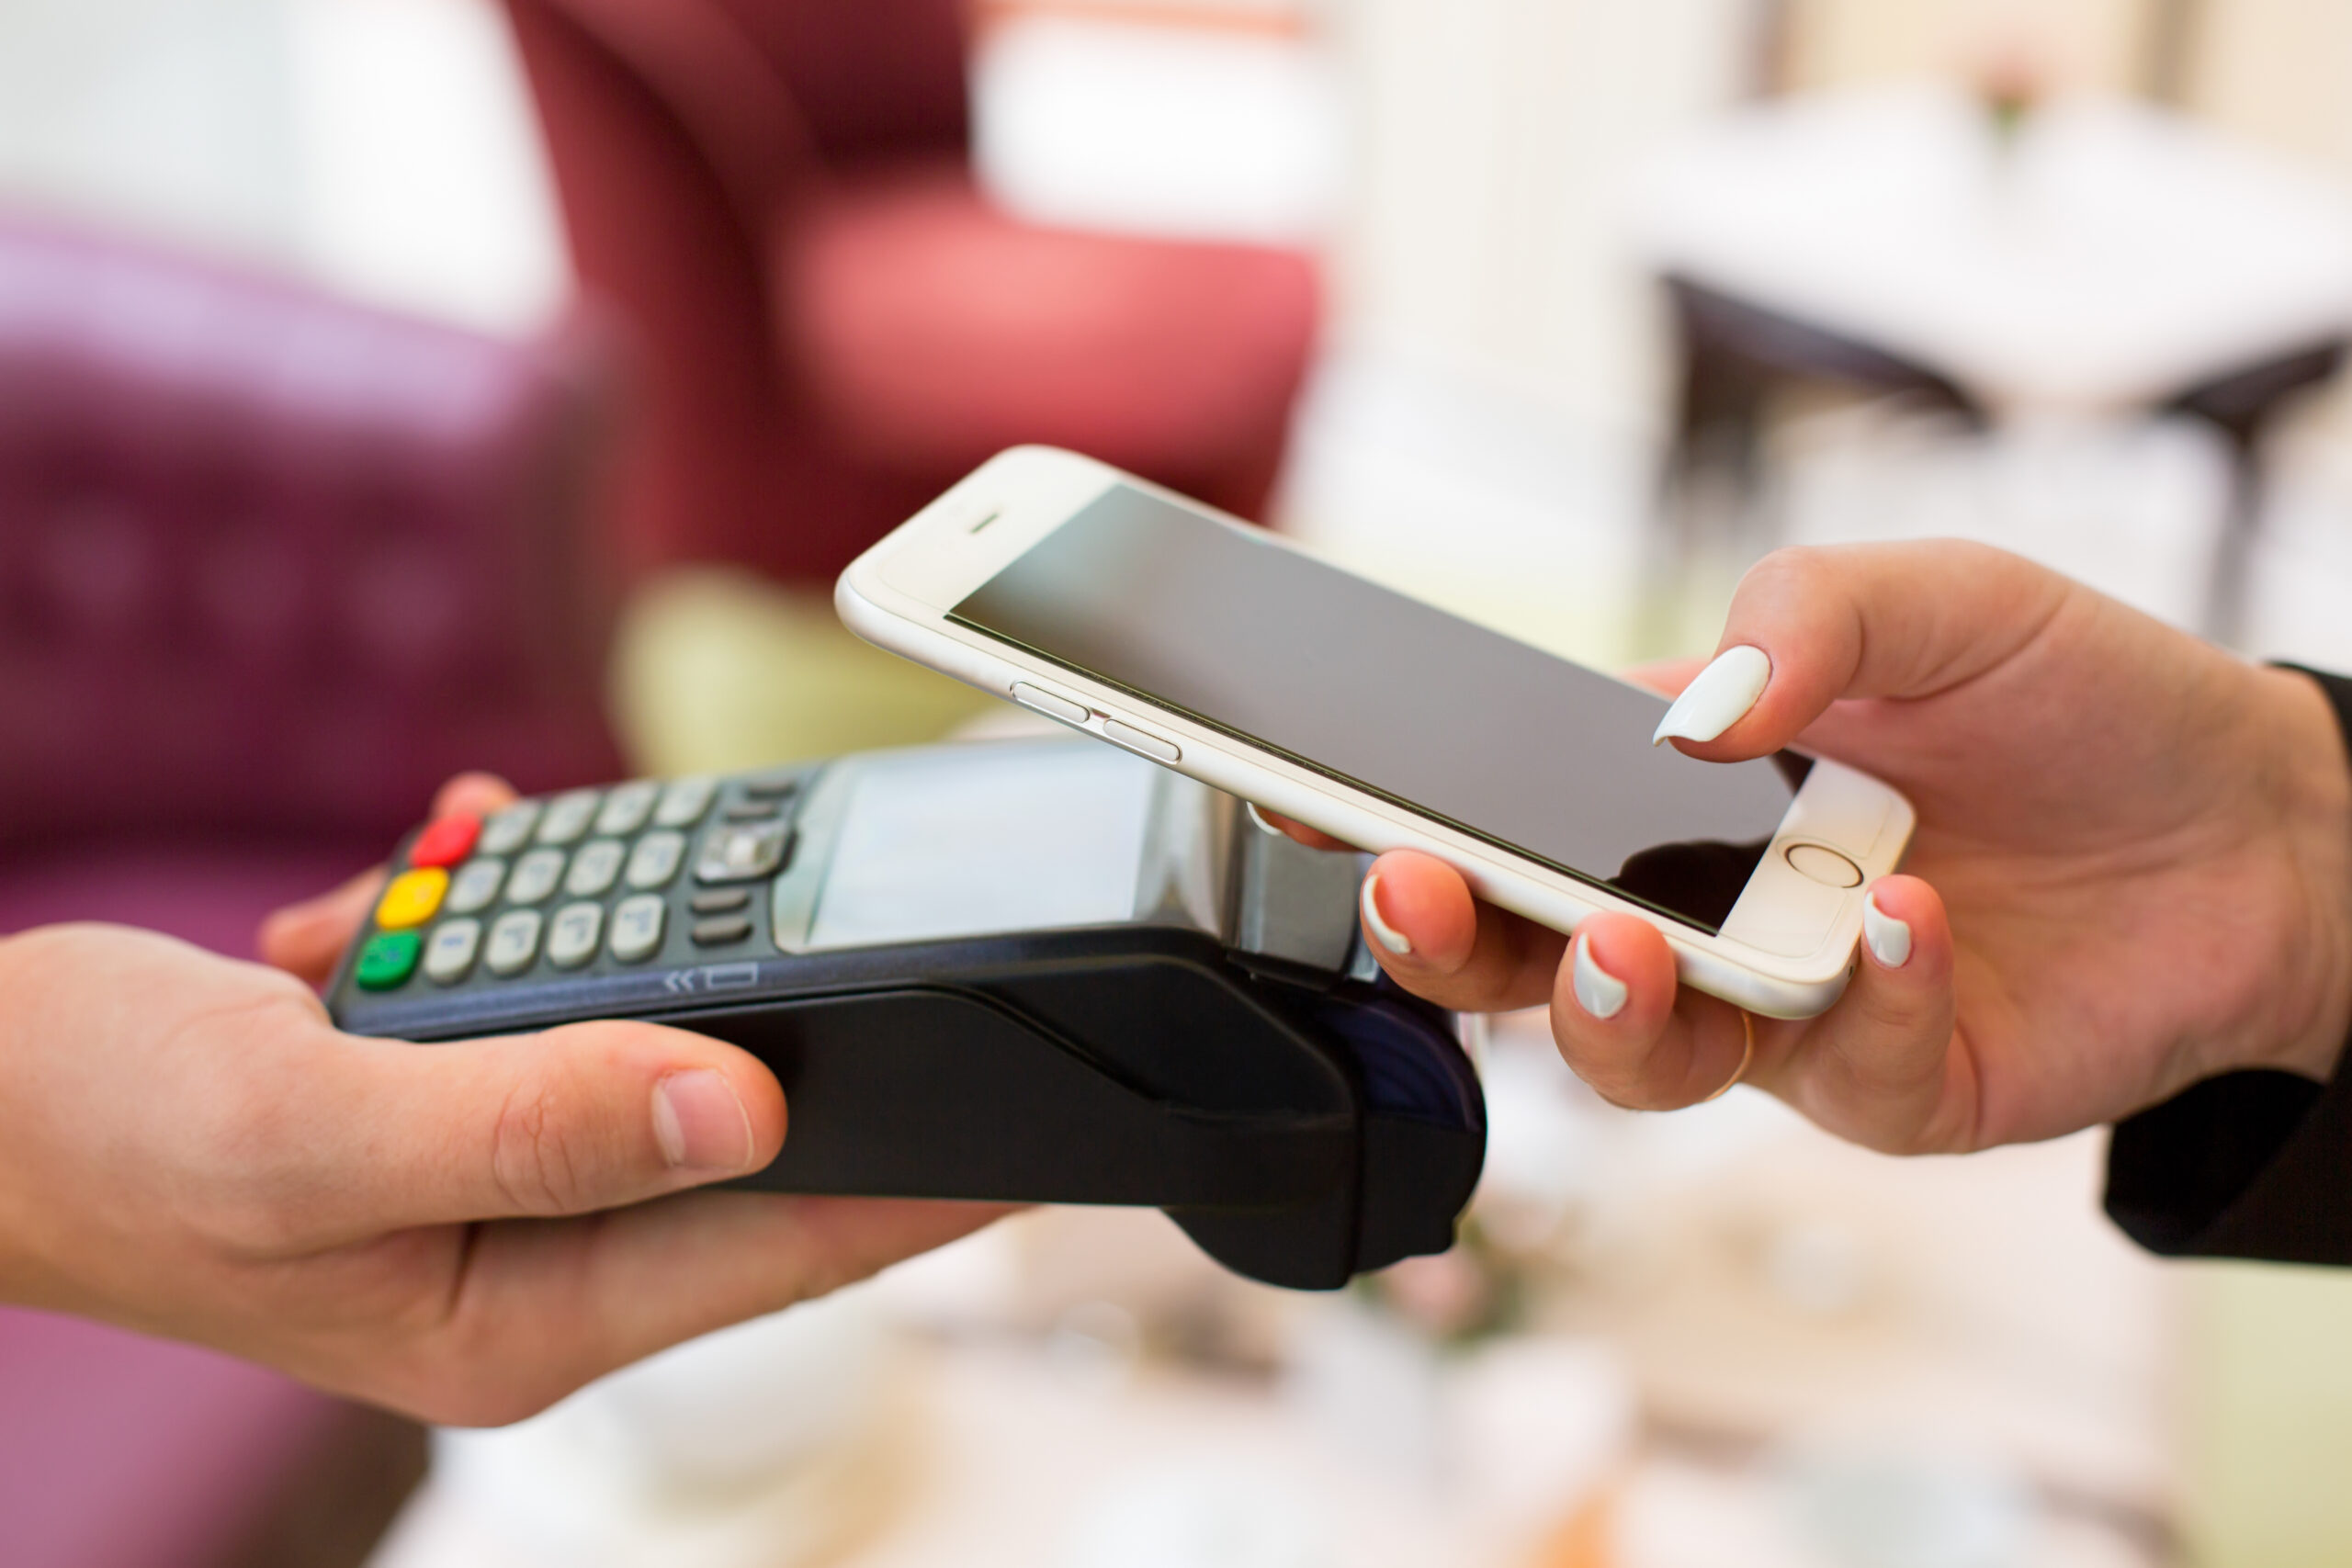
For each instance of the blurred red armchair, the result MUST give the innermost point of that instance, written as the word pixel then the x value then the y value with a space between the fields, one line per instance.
pixel 270 567
pixel 835 325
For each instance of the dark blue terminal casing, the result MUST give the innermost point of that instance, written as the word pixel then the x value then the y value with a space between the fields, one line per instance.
pixel 1029 970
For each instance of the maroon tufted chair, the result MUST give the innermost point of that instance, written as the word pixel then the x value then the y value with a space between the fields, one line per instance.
pixel 834 325
pixel 271 566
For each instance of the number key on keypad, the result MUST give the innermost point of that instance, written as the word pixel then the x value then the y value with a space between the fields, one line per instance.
pixel 476 885
pixel 568 817
pixel 510 830
pixel 514 943
pixel 594 868
pixel 571 935
pixel 627 808
pixel 684 801
pixel 451 952
pixel 637 927
pixel 655 859
pixel 535 876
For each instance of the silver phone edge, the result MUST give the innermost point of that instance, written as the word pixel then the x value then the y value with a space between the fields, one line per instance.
pixel 1331 809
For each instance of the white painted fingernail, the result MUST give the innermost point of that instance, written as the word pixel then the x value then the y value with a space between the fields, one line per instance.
pixel 1388 936
pixel 1890 939
pixel 1722 694
pixel 1598 992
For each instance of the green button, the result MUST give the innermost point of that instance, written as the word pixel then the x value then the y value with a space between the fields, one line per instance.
pixel 388 960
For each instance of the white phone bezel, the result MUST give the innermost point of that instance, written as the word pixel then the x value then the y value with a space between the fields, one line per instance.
pixel 897 595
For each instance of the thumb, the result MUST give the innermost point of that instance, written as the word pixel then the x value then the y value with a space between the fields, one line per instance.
pixel 586 1117
pixel 1811 626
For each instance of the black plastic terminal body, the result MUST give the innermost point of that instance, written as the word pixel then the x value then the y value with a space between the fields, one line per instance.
pixel 1301 1127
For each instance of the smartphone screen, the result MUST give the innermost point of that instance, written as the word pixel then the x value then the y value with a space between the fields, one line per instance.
pixel 1493 737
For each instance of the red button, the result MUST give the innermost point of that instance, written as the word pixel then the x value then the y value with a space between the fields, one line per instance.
pixel 446 842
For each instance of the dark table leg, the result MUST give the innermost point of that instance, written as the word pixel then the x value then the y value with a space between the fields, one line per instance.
pixel 2243 405
pixel 1734 355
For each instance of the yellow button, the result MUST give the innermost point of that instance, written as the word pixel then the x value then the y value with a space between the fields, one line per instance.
pixel 412 897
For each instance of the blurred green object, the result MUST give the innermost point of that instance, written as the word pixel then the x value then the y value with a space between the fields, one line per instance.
pixel 2270 1416
pixel 716 671
pixel 388 959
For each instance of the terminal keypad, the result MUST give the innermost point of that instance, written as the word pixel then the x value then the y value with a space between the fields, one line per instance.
pixel 586 880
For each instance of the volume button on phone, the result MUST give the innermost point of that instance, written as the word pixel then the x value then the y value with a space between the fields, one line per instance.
pixel 1047 703
pixel 1143 743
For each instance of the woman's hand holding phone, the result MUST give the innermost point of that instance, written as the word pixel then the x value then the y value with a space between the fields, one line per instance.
pixel 2132 867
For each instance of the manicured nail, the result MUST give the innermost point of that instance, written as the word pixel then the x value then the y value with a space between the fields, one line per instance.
pixel 1719 699
pixel 1599 993
pixel 1890 939
pixel 1388 936
pixel 699 1122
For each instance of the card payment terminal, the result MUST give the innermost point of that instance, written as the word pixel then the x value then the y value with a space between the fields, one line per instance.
pixel 1024 970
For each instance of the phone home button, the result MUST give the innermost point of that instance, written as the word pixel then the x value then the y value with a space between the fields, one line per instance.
pixel 1824 866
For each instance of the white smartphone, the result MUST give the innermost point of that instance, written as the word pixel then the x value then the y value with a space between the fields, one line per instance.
pixel 1230 654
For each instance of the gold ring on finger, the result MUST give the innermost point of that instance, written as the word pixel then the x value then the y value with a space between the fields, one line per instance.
pixel 1746 1056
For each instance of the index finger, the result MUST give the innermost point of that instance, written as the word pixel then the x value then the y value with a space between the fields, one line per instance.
pixel 1899 621
pixel 480 794
pixel 306 940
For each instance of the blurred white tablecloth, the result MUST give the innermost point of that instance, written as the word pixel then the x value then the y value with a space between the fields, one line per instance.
pixel 2106 257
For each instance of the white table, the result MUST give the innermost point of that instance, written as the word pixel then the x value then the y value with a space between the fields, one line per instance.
pixel 2104 258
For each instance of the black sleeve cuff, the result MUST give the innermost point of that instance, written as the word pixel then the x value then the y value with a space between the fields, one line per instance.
pixel 2255 1165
